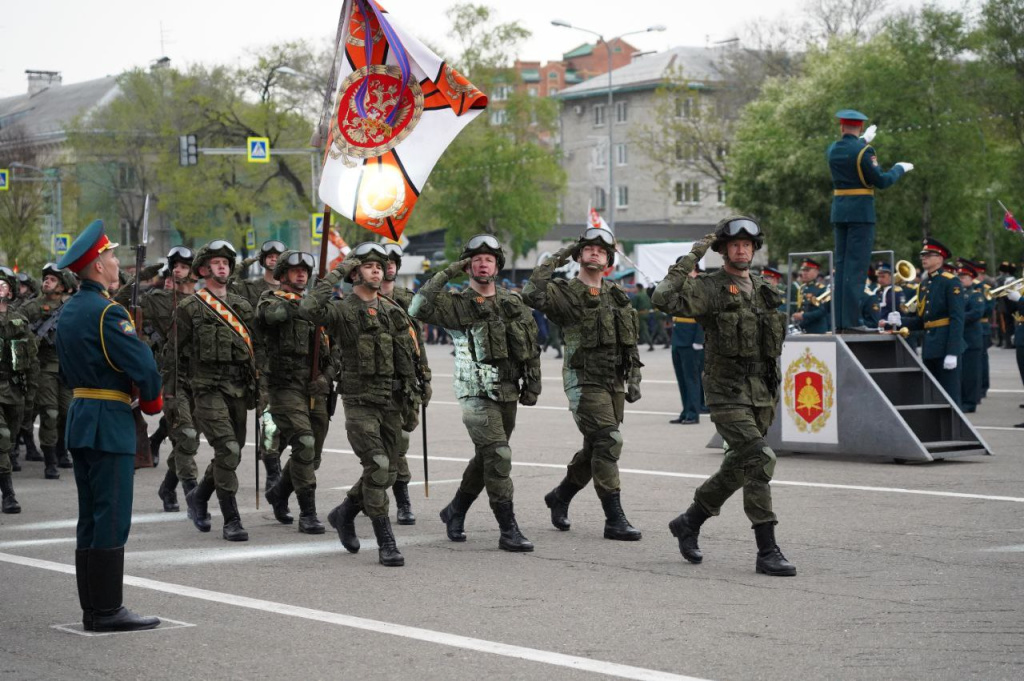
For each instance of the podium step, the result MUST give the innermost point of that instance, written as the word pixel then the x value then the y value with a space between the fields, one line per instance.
pixel 913 407
pixel 952 445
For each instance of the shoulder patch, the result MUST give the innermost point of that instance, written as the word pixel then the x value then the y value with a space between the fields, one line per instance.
pixel 126 326
pixel 874 160
pixel 948 275
pixel 16 322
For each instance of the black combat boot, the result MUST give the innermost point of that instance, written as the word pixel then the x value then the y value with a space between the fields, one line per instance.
pixel 157 439
pixel 770 560
pixel 50 471
pixel 186 487
pixel 342 518
pixel 454 515
pixel 404 504
pixel 615 525
pixel 558 501
pixel 387 551
pixel 31 451
pixel 15 463
pixel 308 522
pixel 197 499
pixel 277 497
pixel 167 493
pixel 233 530
pixel 272 465
pixel 9 503
pixel 511 538
pixel 686 528
pixel 105 577
pixel 82 580
pixel 63 460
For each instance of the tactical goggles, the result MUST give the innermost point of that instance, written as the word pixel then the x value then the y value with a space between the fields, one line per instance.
pixel 599 234
pixel 299 259
pixel 222 245
pixel 483 241
pixel 272 246
pixel 51 268
pixel 7 272
pixel 393 250
pixel 741 226
pixel 180 253
pixel 364 249
pixel 23 278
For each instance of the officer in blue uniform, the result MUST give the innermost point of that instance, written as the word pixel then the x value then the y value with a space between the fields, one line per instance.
pixel 855 176
pixel 940 312
pixel 101 357
pixel 982 284
pixel 688 360
pixel 974 310
pixel 886 298
pixel 813 314
pixel 776 279
pixel 1016 305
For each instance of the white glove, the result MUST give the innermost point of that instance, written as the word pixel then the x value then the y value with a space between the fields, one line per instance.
pixel 869 134
pixel 895 319
pixel 1014 296
pixel 949 363
pixel 907 167
pixel 698 346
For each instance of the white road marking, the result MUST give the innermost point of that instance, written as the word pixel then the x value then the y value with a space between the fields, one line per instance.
pixel 411 484
pixel 559 380
pixel 566 408
pixel 1019 548
pixel 376 626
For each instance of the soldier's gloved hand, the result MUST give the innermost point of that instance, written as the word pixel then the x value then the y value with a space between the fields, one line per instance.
pixel 701 247
pixel 428 392
pixel 150 271
pixel 563 254
pixel 870 133
pixel 527 398
pixel 1014 296
pixel 457 268
pixel 343 269
pixel 895 319
pixel 907 167
pixel 949 362
pixel 698 346
pixel 248 262
pixel 633 386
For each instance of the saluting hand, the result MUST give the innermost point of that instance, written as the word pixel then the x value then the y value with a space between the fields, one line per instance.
pixel 701 247
pixel 907 167
pixel 870 133
pixel 457 267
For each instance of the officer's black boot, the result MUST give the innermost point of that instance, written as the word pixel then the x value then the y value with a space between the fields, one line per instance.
pixel 186 487
pixel 63 460
pixel 404 504
pixel 31 451
pixel 233 530
pixel 82 580
pixel 272 465
pixel 198 499
pixel 105 576
pixel 167 494
pixel 342 518
pixel 511 538
pixel 615 525
pixel 308 522
pixel 277 497
pixel 454 515
pixel 15 463
pixel 157 439
pixel 686 528
pixel 50 471
pixel 387 551
pixel 9 503
pixel 770 560
pixel 558 501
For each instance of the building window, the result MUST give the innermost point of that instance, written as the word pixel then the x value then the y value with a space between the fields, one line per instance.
pixel 552 75
pixel 125 176
pixel 501 93
pixel 598 115
pixel 621 112
pixel 622 196
pixel 599 198
pixel 532 91
pixel 601 156
pixel 552 91
pixel 621 156
pixel 679 151
pixel 684 107
pixel 499 117
pixel 688 192
pixel 125 228
pixel 721 194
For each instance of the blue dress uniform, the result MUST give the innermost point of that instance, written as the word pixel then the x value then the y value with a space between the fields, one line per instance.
pixel 940 313
pixel 883 301
pixel 688 363
pixel 855 176
pixel 986 325
pixel 100 359
pixel 1018 338
pixel 816 316
pixel 974 310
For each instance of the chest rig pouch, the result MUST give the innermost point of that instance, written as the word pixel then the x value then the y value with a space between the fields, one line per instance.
pixel 608 328
pixel 217 343
pixel 375 346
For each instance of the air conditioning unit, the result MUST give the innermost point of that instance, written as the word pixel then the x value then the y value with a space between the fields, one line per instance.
pixel 578 109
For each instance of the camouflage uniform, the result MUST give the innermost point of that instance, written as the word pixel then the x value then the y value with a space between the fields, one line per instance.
pixel 19 375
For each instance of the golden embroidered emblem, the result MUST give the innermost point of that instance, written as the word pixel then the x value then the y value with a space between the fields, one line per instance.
pixel 354 136
pixel 809 392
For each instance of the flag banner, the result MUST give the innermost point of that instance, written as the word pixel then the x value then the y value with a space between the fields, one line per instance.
pixel 595 220
pixel 396 109
pixel 337 249
pixel 1010 222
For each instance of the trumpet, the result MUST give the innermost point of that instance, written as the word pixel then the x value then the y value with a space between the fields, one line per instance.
pixel 910 304
pixel 905 272
pixel 1015 285
pixel 824 297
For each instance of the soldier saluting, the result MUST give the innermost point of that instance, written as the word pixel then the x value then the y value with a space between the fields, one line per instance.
pixel 745 330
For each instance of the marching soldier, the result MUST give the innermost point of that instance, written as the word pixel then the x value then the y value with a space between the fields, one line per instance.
pixel 987 320
pixel 641 302
pixel 813 313
pixel 745 331
pixel 600 371
pixel 403 297
pixel 298 395
pixel 28 289
pixel 19 376
pixel 1005 307
pixel 1017 305
pixel 886 298
pixel 687 358
pixel 940 313
pixel 974 311
pixel 378 348
pixel 53 397
pixel 855 176
pixel 217 349
pixel 497 363
pixel 101 357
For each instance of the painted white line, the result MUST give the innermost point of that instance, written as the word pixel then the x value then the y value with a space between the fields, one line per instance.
pixel 411 484
pixel 559 380
pixel 137 519
pixel 376 626
pixel 1019 548
pixel 566 408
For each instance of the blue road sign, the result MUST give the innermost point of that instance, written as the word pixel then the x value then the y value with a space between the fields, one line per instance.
pixel 258 149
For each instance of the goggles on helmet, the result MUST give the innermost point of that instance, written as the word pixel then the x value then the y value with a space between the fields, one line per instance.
pixel 483 241
pixel 364 249
pixel 393 250
pixel 299 259
pixel 180 253
pixel 272 246
pixel 221 245
pixel 741 226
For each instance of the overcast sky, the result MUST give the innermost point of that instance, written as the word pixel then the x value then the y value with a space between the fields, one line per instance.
pixel 86 40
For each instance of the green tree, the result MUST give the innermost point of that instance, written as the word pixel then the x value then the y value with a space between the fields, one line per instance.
pixel 24 205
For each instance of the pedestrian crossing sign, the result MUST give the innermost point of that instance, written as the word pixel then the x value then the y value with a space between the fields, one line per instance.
pixel 61 243
pixel 316 223
pixel 250 239
pixel 5 179
pixel 258 149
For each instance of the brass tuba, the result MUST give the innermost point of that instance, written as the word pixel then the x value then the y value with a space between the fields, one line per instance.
pixel 905 272
pixel 1016 284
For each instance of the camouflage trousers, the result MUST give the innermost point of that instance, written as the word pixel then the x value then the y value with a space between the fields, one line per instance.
pixel 490 425
pixel 598 413
pixel 304 429
pixel 374 433
pixel 183 433
pixel 221 420
pixel 10 424
pixel 749 462
pixel 410 421
pixel 52 401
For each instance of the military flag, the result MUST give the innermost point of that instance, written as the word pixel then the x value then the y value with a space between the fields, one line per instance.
pixel 396 108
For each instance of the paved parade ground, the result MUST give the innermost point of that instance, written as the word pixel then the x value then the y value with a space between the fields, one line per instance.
pixel 904 572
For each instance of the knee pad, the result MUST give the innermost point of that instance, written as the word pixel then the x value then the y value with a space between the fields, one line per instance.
pixel 607 443
pixel 188 443
pixel 502 460
pixel 761 463
pixel 232 455
pixel 304 448
pixel 5 440
pixel 50 415
pixel 380 474
pixel 403 443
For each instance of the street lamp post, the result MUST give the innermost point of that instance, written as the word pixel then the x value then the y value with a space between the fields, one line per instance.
pixel 611 197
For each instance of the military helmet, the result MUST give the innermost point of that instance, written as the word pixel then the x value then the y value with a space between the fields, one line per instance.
pixel 180 254
pixel 737 227
pixel 28 280
pixel 271 246
pixel 65 277
pixel 216 248
pixel 484 243
pixel 395 253
pixel 596 236
pixel 290 259
pixel 368 251
pixel 8 275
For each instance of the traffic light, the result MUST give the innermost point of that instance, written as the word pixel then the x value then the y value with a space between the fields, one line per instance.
pixel 188 150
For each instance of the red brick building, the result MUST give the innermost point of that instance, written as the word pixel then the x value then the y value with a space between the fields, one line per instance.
pixel 585 61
